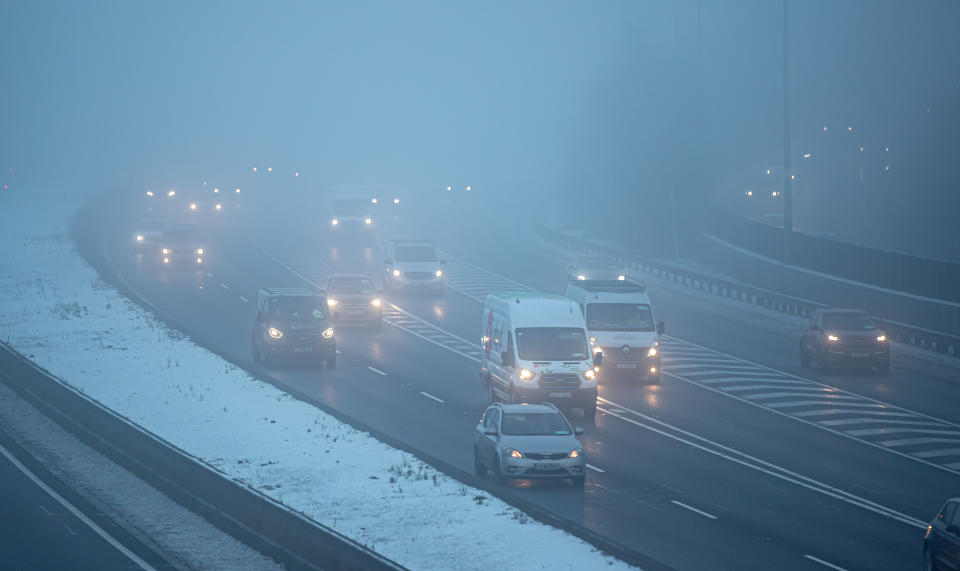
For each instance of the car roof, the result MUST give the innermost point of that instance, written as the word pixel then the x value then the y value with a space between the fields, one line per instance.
pixel 530 408
pixel 348 277
pixel 412 242
pixel 291 292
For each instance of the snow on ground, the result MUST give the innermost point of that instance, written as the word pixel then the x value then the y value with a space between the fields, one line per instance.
pixel 55 309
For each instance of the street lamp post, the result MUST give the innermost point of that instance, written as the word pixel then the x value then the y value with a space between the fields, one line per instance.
pixel 787 178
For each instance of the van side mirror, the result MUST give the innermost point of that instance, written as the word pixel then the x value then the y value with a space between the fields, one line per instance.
pixel 578 430
pixel 598 358
pixel 661 327
pixel 507 359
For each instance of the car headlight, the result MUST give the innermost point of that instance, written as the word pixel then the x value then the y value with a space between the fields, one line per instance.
pixel 166 260
pixel 831 337
pixel 199 260
pixel 396 273
pixel 525 374
pixel 512 452
pixel 574 453
pixel 275 333
pixel 376 302
pixel 590 374
pixel 139 237
pixel 622 277
pixel 882 338
pixel 334 222
pixel 581 277
pixel 218 206
pixel 165 251
pixel 200 251
pixel 193 206
pixel 438 273
pixel 367 221
pixel 331 302
pixel 652 352
pixel 327 333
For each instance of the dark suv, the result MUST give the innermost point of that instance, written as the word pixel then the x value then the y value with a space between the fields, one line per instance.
pixel 941 542
pixel 293 321
pixel 844 337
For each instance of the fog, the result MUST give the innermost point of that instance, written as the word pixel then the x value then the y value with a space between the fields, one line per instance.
pixel 570 103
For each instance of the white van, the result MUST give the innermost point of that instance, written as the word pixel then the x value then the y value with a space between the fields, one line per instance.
pixel 535 349
pixel 621 325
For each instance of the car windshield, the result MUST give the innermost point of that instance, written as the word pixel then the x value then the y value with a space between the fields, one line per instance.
pixel 298 308
pixel 597 263
pixel 538 424
pixel 360 286
pixel 619 317
pixel 416 253
pixel 552 344
pixel 181 233
pixel 848 322
pixel 351 207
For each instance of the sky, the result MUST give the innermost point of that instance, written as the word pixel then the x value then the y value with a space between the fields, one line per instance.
pixel 623 101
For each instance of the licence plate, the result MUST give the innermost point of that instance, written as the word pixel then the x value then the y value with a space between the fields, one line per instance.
pixel 357 313
pixel 303 349
pixel 626 365
pixel 539 466
pixel 860 355
pixel 560 395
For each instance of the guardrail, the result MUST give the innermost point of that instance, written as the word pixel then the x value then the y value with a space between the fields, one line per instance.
pixel 275 530
pixel 939 342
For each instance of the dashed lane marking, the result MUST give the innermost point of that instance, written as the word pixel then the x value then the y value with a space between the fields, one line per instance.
pixel 693 509
pixel 430 396
pixel 377 371
pixel 825 563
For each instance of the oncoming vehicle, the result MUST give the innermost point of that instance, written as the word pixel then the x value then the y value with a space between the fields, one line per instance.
pixel 596 268
pixel 621 325
pixel 535 349
pixel 354 299
pixel 941 542
pixel 147 233
pixel 293 321
pixel 529 441
pixel 844 337
pixel 413 265
pixel 352 217
pixel 180 245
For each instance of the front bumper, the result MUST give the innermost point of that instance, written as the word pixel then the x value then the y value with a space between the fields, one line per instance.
pixel 563 398
pixel 857 356
pixel 527 468
pixel 302 345
pixel 419 284
pixel 350 315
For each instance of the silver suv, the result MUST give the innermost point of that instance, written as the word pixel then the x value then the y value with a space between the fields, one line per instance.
pixel 528 441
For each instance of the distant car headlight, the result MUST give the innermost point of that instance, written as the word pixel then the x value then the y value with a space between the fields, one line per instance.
pixel 652 352
pixel 525 374
pixel 367 221
pixel 327 333
pixel 139 237
pixel 512 452
pixel 165 251
pixel 832 338
pixel 334 222
pixel 149 193
pixel 193 206
pixel 396 273
pixel 332 302
pixel 438 273
pixel 622 277
pixel 199 260
pixel 219 206
pixel 882 338
pixel 376 302
pixel 581 277
pixel 590 374
pixel 396 201
pixel 574 454
pixel 275 333
pixel 166 260
pixel 200 251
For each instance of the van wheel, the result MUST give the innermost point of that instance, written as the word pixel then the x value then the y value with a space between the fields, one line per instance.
pixel 478 468
pixel 491 394
pixel 655 379
pixel 331 362
pixel 579 481
pixel 928 562
pixel 590 413
pixel 255 353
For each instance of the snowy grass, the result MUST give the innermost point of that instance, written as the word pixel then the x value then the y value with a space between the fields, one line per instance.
pixel 56 310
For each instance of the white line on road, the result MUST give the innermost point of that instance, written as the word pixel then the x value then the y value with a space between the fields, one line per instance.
pixel 377 371
pixel 245 300
pixel 430 396
pixel 209 275
pixel 79 514
pixel 224 286
pixel 824 563
pixel 693 509
pixel 592 467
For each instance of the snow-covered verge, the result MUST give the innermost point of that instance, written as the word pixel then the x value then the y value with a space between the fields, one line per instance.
pixel 55 309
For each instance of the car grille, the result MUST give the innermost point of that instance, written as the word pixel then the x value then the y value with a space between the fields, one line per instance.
pixel 304 340
pixel 354 306
pixel 559 381
pixel 539 456
pixel 418 275
pixel 617 354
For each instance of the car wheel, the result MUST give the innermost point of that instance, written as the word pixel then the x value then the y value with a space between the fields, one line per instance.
pixel 331 362
pixel 478 468
pixel 498 473
pixel 928 563
pixel 255 352
pixel 804 360
pixel 267 358
pixel 655 379
pixel 884 367
pixel 579 481
pixel 822 362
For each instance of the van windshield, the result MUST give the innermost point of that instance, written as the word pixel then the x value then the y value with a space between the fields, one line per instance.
pixel 619 317
pixel 298 308
pixel 552 344
pixel 352 207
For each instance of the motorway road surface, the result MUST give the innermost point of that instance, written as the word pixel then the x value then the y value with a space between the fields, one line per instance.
pixel 733 462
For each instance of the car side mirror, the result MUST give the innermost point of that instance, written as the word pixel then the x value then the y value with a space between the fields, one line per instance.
pixel 388 261
pixel 953 528
pixel 661 327
pixel 489 432
pixel 578 430
pixel 598 358
pixel 507 359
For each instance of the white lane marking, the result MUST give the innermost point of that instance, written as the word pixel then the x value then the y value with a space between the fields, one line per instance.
pixel 824 563
pixel 595 469
pixel 245 300
pixel 209 275
pixel 759 465
pixel 943 452
pixel 693 509
pixel 338 351
pixel 377 371
pixel 76 512
pixel 876 431
pixel 861 420
pixel 430 396
pixel 224 286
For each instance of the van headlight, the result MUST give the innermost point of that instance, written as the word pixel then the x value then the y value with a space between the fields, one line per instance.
pixel 652 352
pixel 367 221
pixel 334 222
pixel 622 277
pixel 275 333
pixel 525 374
pixel 376 302
pixel 581 277
pixel 512 452
pixel 332 302
pixel 882 338
pixel 327 333
pixel 396 273
pixel 575 453
pixel 438 273
pixel 199 251
pixel 590 374
pixel 165 251
pixel 832 338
